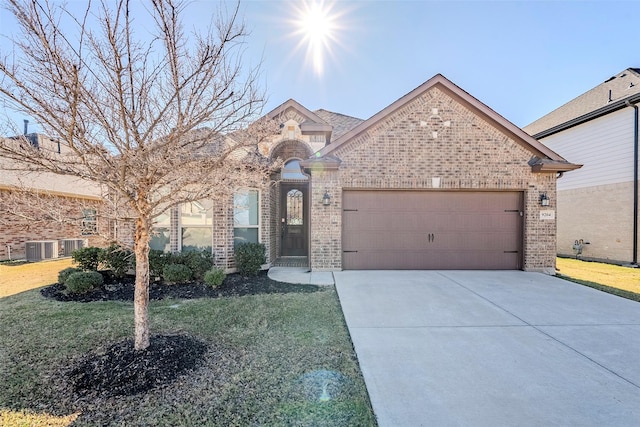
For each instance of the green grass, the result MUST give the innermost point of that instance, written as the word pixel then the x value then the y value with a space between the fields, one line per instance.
pixel 265 343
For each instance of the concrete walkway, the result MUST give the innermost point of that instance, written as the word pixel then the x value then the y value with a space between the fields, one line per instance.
pixel 477 348
pixel 301 275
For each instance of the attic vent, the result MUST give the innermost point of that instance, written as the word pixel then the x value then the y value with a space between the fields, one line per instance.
pixel 623 74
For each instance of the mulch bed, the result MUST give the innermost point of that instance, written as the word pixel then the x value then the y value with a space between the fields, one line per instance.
pixel 120 370
pixel 234 285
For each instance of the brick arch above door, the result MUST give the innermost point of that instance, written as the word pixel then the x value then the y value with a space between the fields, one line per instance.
pixel 291 148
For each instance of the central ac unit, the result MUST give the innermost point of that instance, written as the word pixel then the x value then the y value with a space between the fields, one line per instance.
pixel 41 249
pixel 67 246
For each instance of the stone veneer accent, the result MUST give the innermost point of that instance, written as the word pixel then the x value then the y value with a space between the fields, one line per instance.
pixel 432 136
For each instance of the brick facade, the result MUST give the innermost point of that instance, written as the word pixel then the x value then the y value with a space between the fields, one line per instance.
pixel 434 136
pixel 15 231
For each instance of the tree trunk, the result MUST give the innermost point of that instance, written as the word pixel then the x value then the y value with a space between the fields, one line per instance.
pixel 141 293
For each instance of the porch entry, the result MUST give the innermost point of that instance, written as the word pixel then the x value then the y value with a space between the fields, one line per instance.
pixel 294 218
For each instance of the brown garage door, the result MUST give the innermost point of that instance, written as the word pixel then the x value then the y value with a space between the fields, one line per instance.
pixel 432 230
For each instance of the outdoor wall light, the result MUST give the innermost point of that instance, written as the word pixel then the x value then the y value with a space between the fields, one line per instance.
pixel 326 199
pixel 544 200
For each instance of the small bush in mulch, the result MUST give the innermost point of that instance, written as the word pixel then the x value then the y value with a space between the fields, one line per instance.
pixel 83 281
pixel 214 277
pixel 234 285
pixel 123 371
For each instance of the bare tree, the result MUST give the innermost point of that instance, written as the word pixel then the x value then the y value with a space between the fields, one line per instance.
pixel 153 116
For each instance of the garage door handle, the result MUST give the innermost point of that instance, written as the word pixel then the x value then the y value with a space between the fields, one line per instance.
pixel 349 252
pixel 431 237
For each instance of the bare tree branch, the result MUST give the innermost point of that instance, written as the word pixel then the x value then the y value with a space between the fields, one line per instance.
pixel 156 118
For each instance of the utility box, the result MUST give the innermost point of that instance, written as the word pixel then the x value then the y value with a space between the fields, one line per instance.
pixel 41 249
pixel 67 246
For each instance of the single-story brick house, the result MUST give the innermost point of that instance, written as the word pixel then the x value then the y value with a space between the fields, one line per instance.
pixel 599 203
pixel 436 180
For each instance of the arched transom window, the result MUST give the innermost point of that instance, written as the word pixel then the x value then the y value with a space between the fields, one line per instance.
pixel 292 170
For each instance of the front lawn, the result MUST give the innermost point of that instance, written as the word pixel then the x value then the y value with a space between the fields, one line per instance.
pixel 272 359
pixel 622 281
pixel 20 277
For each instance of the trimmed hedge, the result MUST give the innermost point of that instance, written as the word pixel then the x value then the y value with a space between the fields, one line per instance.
pixel 83 281
pixel 63 275
pixel 249 258
pixel 176 273
pixel 87 258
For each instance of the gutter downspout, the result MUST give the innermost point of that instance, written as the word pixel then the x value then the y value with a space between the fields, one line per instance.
pixel 635 182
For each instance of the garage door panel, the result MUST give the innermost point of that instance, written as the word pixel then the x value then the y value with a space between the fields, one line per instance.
pixel 432 230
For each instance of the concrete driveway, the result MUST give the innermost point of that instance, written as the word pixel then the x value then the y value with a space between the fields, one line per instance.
pixel 486 348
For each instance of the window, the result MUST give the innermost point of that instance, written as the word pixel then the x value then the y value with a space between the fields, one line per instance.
pixel 89 225
pixel 196 225
pixel 161 232
pixel 246 218
pixel 295 214
pixel 292 170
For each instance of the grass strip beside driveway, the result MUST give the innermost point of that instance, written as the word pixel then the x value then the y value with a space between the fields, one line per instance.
pixel 614 279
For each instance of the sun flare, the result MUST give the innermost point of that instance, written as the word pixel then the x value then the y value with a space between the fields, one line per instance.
pixel 317 27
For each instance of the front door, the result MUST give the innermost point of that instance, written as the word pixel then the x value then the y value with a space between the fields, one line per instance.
pixel 294 206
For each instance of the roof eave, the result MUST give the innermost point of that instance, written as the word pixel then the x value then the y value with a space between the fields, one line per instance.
pixel 466 99
pixel 607 109
pixel 554 167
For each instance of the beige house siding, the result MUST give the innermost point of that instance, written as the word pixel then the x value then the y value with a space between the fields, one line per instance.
pixel 595 203
pixel 601 215
pixel 433 137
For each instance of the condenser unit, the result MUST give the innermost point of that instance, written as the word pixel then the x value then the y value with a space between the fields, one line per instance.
pixel 41 249
pixel 67 246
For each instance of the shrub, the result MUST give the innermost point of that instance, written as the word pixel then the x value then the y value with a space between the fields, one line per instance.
pixel 199 262
pixel 117 259
pixel 87 258
pixel 64 274
pixel 83 281
pixel 157 261
pixel 249 257
pixel 214 277
pixel 176 273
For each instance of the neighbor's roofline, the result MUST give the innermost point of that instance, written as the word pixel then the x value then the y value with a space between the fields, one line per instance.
pixel 466 99
pixel 602 111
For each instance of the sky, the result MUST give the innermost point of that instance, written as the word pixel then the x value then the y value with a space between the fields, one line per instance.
pixel 521 58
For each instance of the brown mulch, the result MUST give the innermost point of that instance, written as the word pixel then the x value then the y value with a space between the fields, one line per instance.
pixel 234 285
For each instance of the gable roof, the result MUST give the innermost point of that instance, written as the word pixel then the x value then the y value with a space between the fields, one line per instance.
pixel 341 123
pixel 312 122
pixel 538 150
pixel 607 97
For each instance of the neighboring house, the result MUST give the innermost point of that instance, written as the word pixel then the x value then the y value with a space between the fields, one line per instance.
pixel 437 180
pixel 45 215
pixel 598 204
